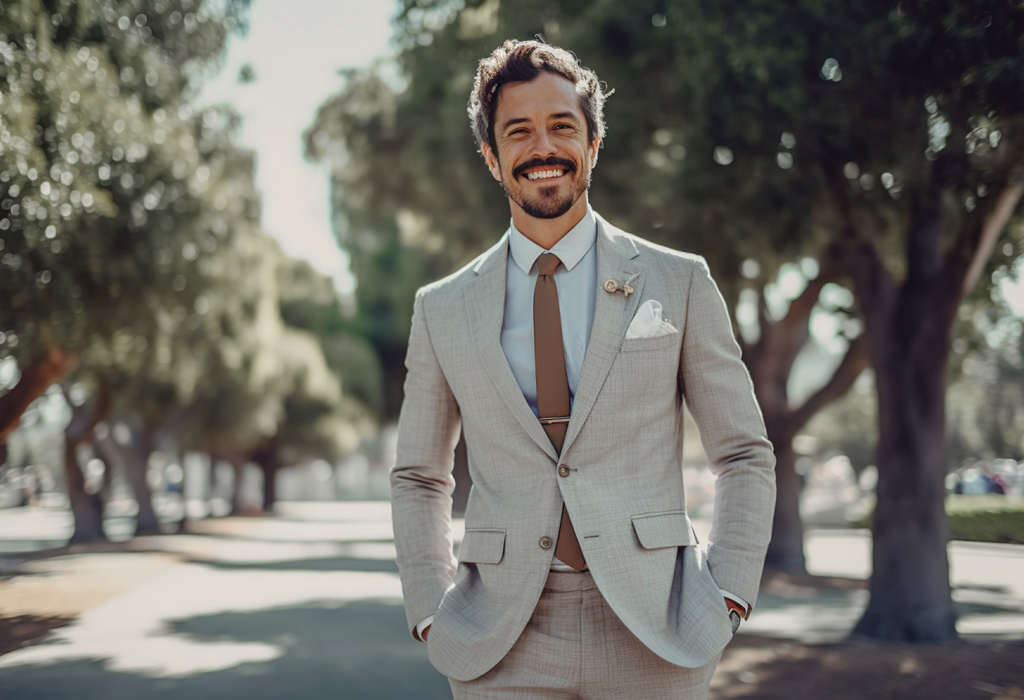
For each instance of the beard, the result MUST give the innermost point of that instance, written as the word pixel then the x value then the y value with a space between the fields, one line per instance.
pixel 547 203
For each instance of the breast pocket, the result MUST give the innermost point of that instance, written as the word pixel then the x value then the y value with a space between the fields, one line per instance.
pixel 642 381
pixel 640 344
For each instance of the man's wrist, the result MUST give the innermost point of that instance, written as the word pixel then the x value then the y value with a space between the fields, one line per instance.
pixel 733 605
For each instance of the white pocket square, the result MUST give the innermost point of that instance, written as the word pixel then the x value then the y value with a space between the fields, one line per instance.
pixel 647 323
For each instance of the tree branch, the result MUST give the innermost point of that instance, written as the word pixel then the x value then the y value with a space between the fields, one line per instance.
pixel 82 422
pixel 854 362
pixel 987 234
pixel 52 365
pixel 872 284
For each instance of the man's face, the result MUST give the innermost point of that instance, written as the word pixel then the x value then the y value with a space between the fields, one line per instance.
pixel 544 158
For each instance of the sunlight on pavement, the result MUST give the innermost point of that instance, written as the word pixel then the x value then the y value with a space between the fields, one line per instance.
pixel 320 557
pixel 135 632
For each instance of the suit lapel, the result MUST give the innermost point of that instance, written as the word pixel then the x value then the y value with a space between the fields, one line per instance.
pixel 612 312
pixel 485 301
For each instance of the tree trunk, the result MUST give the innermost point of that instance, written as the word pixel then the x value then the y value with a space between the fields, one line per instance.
pixel 910 330
pixel 268 461
pixel 269 486
pixel 786 549
pixel 770 361
pixel 87 509
pixel 133 461
pixel 136 466
pixel 911 600
pixel 238 466
pixel 107 485
pixel 393 371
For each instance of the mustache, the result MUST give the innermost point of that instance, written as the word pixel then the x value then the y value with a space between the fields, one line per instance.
pixel 518 170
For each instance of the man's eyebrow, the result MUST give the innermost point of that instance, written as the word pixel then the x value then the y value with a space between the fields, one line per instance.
pixel 510 122
pixel 566 115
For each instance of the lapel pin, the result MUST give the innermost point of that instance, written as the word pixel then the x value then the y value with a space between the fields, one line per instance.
pixel 611 286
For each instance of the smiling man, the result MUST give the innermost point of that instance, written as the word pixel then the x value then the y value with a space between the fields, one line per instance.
pixel 565 353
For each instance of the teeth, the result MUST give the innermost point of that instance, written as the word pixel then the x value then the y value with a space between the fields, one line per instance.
pixel 543 174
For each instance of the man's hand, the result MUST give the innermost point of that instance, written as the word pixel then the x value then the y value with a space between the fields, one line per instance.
pixel 426 631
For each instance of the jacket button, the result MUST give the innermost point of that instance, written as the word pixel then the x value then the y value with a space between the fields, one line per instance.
pixel 563 470
pixel 545 542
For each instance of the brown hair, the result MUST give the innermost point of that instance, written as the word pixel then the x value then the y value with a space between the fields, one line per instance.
pixel 516 61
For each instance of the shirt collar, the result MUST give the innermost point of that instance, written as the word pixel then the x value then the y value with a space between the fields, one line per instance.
pixel 570 248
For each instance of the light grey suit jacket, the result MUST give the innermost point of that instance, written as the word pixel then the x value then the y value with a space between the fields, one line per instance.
pixel 624 489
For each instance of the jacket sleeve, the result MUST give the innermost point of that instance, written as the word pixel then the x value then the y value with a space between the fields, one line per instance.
pixel 421 479
pixel 720 396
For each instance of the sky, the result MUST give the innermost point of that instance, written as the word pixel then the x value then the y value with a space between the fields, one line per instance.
pixel 296 48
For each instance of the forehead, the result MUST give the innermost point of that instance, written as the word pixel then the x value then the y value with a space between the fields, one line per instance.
pixel 546 94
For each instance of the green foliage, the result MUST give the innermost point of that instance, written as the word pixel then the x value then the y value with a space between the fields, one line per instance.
pixel 986 518
pixel 111 191
pixel 985 406
pixel 991 518
pixel 722 129
pixel 129 232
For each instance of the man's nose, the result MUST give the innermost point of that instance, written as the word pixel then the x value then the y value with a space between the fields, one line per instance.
pixel 543 145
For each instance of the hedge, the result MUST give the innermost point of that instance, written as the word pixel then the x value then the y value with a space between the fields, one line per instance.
pixel 991 518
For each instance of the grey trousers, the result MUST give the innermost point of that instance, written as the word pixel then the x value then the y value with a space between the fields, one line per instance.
pixel 575 647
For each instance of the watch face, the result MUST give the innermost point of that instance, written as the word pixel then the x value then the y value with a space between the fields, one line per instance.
pixel 735 617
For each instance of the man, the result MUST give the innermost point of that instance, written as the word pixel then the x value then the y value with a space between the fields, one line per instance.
pixel 565 353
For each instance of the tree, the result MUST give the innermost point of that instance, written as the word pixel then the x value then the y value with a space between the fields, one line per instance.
pixel 101 165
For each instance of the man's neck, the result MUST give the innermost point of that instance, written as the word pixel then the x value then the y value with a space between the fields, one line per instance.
pixel 547 232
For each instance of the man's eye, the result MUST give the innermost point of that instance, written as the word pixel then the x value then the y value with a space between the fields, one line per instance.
pixel 567 126
pixel 517 131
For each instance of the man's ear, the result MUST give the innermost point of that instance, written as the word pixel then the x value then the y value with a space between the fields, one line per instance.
pixel 491 160
pixel 595 146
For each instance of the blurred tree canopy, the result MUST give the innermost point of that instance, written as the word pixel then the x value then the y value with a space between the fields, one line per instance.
pixel 131 255
pixel 111 189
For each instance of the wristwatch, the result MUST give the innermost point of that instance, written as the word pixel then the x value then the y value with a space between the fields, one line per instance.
pixel 736 613
pixel 735 617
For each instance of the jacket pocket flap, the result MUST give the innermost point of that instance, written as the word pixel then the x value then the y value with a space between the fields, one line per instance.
pixel 482 546
pixel 671 528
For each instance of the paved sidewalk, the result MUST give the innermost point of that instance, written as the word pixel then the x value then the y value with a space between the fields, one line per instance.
pixel 308 604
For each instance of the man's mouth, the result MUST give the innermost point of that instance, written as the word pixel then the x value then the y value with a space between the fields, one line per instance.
pixel 545 174
pixel 548 169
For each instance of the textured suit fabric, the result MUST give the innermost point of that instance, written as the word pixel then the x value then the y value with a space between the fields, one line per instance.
pixel 574 646
pixel 623 487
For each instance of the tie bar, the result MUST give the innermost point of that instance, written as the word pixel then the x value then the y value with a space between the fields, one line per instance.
pixel 554 419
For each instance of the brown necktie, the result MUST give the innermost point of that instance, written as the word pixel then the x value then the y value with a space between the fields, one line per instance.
pixel 553 386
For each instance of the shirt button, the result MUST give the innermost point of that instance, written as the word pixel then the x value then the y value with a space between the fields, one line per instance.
pixel 545 542
pixel 563 470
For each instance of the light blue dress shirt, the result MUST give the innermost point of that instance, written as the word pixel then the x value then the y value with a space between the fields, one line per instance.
pixel 576 279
